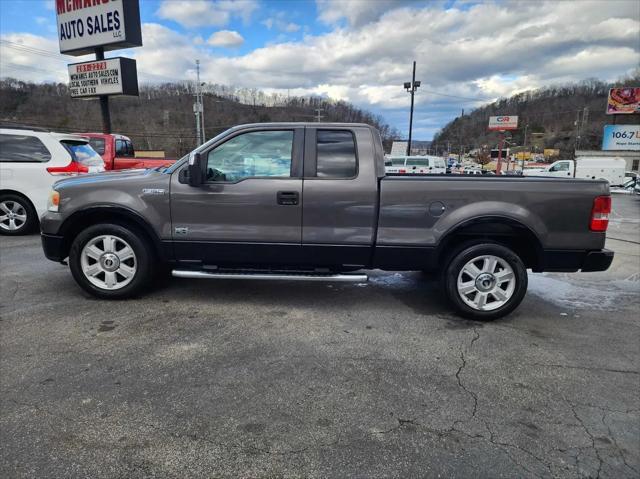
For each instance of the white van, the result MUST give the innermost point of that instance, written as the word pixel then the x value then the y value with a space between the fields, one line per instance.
pixel 415 165
pixel 30 162
pixel 593 168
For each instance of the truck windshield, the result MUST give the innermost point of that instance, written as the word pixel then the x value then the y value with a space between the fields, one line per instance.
pixel 83 153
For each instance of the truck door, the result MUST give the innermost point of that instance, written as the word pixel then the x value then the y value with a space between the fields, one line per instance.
pixel 250 208
pixel 340 196
pixel 562 169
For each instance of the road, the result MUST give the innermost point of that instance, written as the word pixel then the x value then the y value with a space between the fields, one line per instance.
pixel 282 379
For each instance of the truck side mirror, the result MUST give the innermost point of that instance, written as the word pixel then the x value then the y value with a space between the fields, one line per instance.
pixel 196 170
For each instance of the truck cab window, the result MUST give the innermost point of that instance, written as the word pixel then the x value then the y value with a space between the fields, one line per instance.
pixel 97 144
pixel 563 166
pixel 121 148
pixel 253 154
pixel 336 154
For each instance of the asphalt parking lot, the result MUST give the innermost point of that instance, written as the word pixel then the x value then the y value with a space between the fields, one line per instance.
pixel 281 379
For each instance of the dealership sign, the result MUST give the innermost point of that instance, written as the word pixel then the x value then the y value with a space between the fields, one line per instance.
pixel 621 137
pixel 503 122
pixel 623 101
pixel 113 76
pixel 84 25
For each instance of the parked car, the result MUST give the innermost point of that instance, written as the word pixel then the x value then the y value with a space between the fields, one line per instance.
pixel 30 162
pixel 415 165
pixel 118 153
pixel 593 168
pixel 311 201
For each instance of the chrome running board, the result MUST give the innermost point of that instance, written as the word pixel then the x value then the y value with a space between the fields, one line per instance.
pixel 341 278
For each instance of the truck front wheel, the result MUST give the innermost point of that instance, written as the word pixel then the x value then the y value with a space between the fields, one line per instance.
pixel 111 261
pixel 485 281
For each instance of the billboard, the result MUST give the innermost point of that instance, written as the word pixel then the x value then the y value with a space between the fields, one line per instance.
pixel 84 25
pixel 503 122
pixel 113 76
pixel 621 138
pixel 623 101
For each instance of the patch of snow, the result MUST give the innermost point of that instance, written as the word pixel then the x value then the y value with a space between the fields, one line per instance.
pixel 569 295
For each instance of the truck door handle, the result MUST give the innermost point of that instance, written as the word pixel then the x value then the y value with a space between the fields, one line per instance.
pixel 289 198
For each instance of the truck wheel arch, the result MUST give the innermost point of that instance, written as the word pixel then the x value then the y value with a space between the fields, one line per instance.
pixel 498 229
pixel 80 220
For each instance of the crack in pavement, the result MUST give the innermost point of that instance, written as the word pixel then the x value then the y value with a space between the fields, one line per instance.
pixel 586 430
pixel 617 446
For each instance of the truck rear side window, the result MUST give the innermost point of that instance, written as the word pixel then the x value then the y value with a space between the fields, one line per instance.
pixel 336 154
pixel 22 149
pixel 97 144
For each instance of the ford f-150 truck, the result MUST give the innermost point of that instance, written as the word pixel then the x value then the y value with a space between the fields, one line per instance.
pixel 311 201
pixel 118 153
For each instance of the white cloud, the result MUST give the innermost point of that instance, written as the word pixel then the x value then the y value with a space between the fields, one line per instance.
pixel 202 13
pixel 529 45
pixel 281 24
pixel 355 12
pixel 226 38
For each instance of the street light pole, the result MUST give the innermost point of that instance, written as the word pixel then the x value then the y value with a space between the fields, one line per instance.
pixel 411 88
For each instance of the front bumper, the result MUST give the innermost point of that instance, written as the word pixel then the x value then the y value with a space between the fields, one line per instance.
pixel 54 247
pixel 570 261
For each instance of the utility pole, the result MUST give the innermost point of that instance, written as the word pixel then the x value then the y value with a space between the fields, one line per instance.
pixel 196 105
pixel 583 125
pixel 524 146
pixel 411 88
pixel 104 100
pixel 318 115
pixel 500 146
pixel 577 139
pixel 460 138
pixel 204 136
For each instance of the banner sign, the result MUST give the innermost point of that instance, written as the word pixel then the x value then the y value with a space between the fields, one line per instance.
pixel 623 101
pixel 84 25
pixel 621 138
pixel 113 76
pixel 503 123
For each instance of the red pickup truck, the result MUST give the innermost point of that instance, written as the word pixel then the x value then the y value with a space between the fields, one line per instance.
pixel 118 153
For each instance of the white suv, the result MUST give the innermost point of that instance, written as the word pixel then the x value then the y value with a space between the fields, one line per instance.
pixel 30 162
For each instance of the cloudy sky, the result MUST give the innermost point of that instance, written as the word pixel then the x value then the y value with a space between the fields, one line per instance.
pixel 467 52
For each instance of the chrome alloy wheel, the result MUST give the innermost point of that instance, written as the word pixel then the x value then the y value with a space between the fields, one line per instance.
pixel 486 283
pixel 108 262
pixel 13 215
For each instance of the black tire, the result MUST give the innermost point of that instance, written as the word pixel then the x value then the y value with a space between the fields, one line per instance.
pixel 466 254
pixel 144 260
pixel 19 204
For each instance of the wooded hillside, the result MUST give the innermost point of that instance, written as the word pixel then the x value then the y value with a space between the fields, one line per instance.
pixel 162 117
pixel 556 115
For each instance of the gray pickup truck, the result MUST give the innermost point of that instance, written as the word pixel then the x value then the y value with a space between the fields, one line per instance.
pixel 311 201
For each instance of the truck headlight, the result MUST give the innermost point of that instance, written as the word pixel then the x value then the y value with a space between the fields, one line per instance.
pixel 54 201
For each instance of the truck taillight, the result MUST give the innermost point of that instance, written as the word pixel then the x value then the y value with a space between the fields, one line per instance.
pixel 402 170
pixel 72 169
pixel 600 213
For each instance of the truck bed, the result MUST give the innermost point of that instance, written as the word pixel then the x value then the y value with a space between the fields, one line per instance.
pixel 418 210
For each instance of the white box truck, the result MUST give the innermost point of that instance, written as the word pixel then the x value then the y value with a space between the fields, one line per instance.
pixel 592 168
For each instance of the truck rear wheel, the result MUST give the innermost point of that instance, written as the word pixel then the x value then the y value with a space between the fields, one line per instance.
pixel 485 281
pixel 111 261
